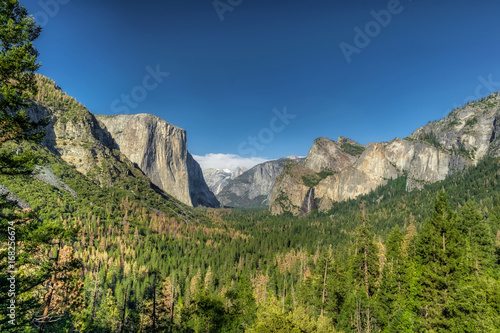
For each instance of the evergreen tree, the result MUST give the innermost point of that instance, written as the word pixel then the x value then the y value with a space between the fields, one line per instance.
pixel 439 251
pixel 478 234
pixel 397 290
pixel 18 62
pixel 360 309
pixel 365 262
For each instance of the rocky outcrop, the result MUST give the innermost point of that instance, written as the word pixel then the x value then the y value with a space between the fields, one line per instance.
pixel 74 134
pixel 198 190
pixel 160 151
pixel 325 159
pixel 46 175
pixel 9 196
pixel 254 187
pixel 217 179
pixel 430 154
pixel 328 154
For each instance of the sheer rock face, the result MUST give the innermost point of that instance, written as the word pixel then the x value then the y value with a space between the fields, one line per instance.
pixel 159 150
pixel 328 154
pixel 431 153
pixel 290 190
pixel 254 187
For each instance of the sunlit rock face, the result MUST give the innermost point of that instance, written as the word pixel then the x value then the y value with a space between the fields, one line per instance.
pixel 160 151
pixel 344 171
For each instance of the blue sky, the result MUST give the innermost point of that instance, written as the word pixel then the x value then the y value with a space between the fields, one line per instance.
pixel 262 79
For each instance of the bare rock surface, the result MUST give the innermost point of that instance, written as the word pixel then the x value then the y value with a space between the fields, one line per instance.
pixel 344 169
pixel 160 150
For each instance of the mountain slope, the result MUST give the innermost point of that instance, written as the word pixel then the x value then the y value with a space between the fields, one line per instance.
pixel 431 153
pixel 105 154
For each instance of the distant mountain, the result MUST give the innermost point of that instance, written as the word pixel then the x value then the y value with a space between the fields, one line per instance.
pixel 216 179
pixel 254 187
pixel 337 171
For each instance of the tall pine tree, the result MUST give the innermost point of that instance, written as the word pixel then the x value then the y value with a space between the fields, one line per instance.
pixel 439 251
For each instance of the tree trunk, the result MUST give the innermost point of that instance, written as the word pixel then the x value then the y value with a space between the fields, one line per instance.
pixel 358 316
pixel 324 291
pixel 367 286
pixel 284 293
pixel 124 309
pixel 368 319
pixel 51 292
pixel 94 298
pixel 154 306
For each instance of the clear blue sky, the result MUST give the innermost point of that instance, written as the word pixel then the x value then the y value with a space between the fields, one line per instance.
pixel 226 76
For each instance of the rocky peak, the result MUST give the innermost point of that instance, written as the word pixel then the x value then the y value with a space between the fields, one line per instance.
pixel 237 172
pixel 471 130
pixel 331 155
pixel 108 147
pixel 160 151
pixel 431 153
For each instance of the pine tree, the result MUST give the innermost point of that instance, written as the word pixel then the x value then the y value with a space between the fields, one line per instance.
pixel 320 289
pixel 365 265
pixel 18 62
pixel 64 294
pixel 397 290
pixel 209 280
pixel 439 251
pixel 365 261
pixel 480 240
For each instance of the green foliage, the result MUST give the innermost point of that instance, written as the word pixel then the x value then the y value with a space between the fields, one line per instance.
pixel 354 150
pixel 471 122
pixel 431 138
pixel 314 179
pixel 149 263
pixel 265 270
pixel 18 62
pixel 52 97
pixel 364 262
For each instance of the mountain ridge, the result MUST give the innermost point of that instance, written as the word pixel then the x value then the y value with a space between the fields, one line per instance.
pixel 431 153
pixel 84 140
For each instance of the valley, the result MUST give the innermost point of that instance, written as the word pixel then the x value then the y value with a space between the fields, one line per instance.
pixel 110 224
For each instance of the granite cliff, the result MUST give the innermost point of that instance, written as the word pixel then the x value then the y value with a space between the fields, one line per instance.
pixel 160 151
pixel 343 170
pixel 107 147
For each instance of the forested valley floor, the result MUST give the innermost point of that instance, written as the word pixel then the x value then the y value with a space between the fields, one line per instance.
pixel 390 261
